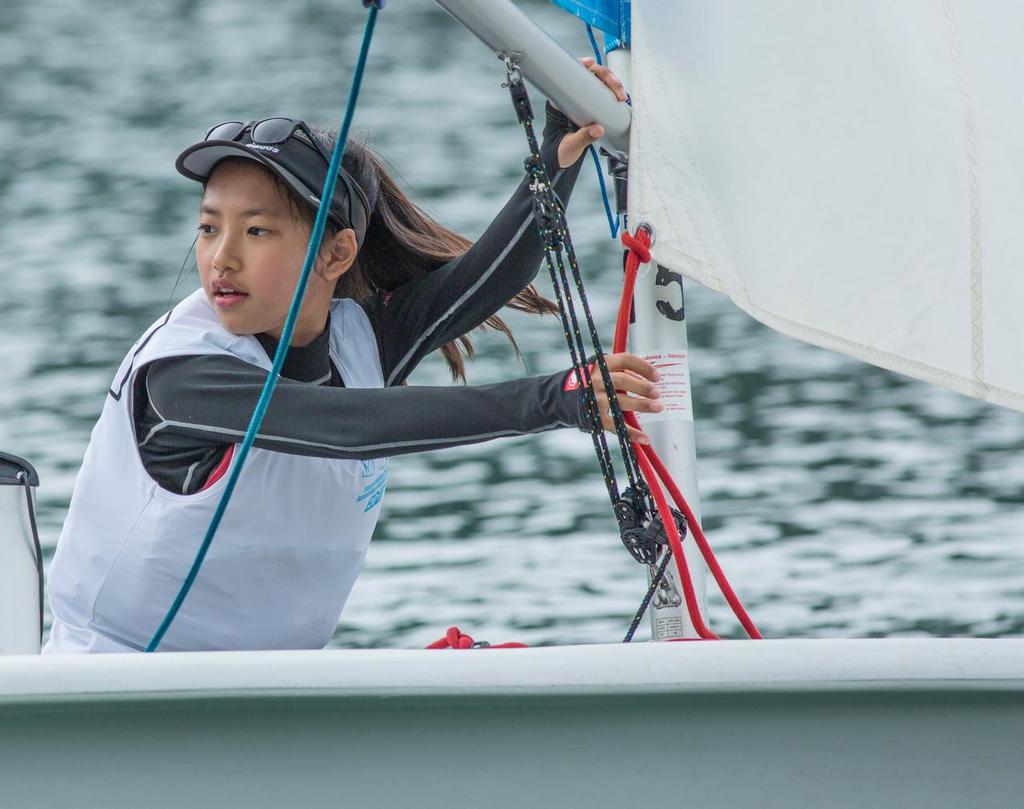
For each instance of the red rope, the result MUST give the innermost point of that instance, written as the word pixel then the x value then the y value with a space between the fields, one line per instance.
pixel 656 475
pixel 652 468
pixel 702 543
pixel 454 638
pixel 675 542
pixel 639 246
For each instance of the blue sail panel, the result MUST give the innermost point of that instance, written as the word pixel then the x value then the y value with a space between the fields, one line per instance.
pixel 611 16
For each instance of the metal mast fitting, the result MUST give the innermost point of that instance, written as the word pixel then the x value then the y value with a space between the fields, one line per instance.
pixel 21 559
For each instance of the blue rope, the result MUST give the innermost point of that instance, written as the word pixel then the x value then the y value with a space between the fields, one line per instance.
pixel 286 333
pixel 593 44
pixel 613 220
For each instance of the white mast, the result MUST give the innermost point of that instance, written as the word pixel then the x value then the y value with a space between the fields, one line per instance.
pixel 660 327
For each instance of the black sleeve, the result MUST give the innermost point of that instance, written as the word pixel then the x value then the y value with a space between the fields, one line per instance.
pixel 424 314
pixel 198 402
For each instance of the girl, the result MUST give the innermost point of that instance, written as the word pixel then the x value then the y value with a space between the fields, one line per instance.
pixel 390 286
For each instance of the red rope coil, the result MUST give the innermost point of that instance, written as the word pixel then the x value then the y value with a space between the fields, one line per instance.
pixel 454 638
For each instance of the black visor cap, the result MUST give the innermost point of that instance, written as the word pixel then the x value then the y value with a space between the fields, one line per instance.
pixel 299 165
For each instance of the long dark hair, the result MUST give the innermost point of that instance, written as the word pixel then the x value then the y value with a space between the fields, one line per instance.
pixel 403 243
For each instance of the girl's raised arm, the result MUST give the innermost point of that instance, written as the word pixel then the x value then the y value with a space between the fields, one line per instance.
pixel 424 314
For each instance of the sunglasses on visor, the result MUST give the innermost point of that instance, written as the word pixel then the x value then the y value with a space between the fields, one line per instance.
pixel 274 131
pixel 268 132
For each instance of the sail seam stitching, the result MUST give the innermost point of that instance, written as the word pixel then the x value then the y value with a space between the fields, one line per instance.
pixel 976 285
pixel 639 103
pixel 682 147
pixel 829 339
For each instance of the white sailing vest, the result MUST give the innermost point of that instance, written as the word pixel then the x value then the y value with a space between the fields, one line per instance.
pixel 285 557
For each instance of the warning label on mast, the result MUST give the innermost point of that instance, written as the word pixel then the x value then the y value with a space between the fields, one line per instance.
pixel 674 387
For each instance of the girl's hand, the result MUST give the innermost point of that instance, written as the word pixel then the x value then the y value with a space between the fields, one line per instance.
pixel 630 375
pixel 574 144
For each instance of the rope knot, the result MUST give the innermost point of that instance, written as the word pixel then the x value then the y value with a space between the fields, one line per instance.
pixel 639 244
pixel 455 638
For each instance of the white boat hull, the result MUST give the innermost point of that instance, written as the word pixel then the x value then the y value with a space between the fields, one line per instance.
pixel 913 723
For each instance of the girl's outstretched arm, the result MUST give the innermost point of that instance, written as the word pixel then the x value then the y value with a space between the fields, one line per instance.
pixel 190 409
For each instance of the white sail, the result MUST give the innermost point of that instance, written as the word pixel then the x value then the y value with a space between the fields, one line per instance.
pixel 851 174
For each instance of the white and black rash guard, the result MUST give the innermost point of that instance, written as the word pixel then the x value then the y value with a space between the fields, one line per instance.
pixel 189 410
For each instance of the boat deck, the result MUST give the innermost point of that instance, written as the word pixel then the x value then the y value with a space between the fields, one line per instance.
pixel 788 723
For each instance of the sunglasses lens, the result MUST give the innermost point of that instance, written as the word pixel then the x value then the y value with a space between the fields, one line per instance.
pixel 225 131
pixel 273 130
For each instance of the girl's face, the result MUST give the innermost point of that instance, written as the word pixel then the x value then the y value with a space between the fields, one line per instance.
pixel 250 253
